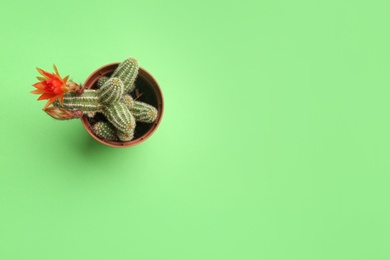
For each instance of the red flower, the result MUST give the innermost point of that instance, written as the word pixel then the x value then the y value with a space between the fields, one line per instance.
pixel 50 86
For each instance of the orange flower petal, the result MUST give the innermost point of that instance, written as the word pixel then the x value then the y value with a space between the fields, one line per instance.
pixel 46 96
pixel 46 74
pixel 38 91
pixel 41 71
pixel 39 85
pixel 66 79
pixel 50 102
pixel 56 70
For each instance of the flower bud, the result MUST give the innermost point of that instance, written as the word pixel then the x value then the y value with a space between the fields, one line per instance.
pixel 63 114
pixel 74 87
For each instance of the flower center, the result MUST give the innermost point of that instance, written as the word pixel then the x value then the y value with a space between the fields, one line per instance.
pixel 53 86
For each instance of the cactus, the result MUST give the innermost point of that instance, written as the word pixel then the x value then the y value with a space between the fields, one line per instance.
pixel 128 101
pixel 126 136
pixel 119 116
pixel 101 81
pixel 111 91
pixel 104 130
pixel 143 112
pixel 112 99
pixel 87 102
pixel 127 71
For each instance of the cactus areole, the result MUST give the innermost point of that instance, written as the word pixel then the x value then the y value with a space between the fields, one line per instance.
pixel 120 104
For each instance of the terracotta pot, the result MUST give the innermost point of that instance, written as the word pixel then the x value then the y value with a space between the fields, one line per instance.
pixel 150 93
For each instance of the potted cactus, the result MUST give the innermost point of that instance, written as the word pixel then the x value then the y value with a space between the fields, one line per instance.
pixel 120 104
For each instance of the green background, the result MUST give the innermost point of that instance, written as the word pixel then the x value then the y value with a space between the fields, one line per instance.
pixel 274 143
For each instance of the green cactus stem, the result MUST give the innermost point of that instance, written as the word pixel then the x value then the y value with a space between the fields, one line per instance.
pixel 87 102
pixel 105 131
pixel 111 91
pixel 118 115
pixel 128 136
pixel 127 71
pixel 128 101
pixel 101 81
pixel 143 112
